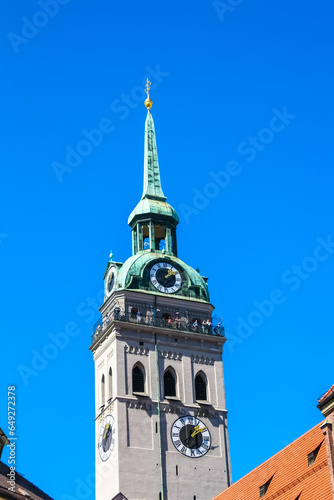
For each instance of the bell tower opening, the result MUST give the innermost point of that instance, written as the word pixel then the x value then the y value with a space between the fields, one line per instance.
pixel 149 234
pixel 160 238
pixel 146 238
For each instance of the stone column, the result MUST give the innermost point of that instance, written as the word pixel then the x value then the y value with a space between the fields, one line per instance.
pixel 134 242
pixel 151 232
pixel 168 240
pixel 140 242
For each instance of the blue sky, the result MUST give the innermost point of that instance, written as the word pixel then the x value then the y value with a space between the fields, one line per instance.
pixel 243 112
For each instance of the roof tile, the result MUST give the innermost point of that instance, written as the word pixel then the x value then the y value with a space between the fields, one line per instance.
pixel 292 474
pixel 327 393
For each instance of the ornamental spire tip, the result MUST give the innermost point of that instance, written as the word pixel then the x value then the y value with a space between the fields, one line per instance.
pixel 148 103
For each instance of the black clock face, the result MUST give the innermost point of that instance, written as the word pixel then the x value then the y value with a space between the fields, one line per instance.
pixel 165 277
pixel 187 438
pixel 110 281
pixel 191 437
pixel 107 437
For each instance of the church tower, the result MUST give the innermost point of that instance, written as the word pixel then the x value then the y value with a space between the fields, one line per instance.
pixel 161 419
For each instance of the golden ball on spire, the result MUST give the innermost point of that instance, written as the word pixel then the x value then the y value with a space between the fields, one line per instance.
pixel 148 103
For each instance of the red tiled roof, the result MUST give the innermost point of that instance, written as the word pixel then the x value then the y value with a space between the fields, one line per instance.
pixel 292 476
pixel 22 485
pixel 328 393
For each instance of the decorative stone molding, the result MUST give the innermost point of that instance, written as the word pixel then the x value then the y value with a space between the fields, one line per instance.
pixel 100 418
pixel 170 355
pixel 136 350
pixel 202 360
pixel 110 354
pixel 206 413
pixel 108 409
pixel 100 365
pixel 139 405
pixel 174 409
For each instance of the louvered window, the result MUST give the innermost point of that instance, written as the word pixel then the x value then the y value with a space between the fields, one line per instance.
pixel 137 380
pixel 200 388
pixel 169 384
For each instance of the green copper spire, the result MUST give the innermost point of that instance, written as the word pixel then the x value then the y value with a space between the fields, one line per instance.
pixel 152 183
pixel 153 203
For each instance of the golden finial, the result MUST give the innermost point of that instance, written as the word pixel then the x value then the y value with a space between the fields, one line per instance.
pixel 148 103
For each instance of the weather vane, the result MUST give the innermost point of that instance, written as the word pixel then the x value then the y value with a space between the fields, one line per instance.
pixel 148 103
pixel 147 88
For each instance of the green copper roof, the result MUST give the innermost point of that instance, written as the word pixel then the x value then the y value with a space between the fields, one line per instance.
pixel 134 267
pixel 153 207
pixel 152 182
pixel 153 200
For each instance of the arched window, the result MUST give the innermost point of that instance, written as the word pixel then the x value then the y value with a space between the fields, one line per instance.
pixel 110 384
pixel 169 383
pixel 200 387
pixel 103 394
pixel 138 379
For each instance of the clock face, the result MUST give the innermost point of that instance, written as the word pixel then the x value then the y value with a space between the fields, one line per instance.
pixel 110 281
pixel 191 437
pixel 107 437
pixel 165 277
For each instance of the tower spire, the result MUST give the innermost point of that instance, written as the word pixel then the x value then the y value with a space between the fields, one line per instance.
pixel 152 183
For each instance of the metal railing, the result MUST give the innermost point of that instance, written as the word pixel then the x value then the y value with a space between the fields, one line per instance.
pixel 211 326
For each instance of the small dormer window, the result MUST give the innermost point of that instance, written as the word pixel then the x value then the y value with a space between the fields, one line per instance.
pixel 264 487
pixel 313 455
pixel 23 492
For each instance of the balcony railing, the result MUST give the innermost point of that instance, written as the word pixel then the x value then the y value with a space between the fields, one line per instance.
pixel 210 326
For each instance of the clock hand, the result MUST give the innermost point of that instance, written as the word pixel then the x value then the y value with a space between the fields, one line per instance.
pixel 170 273
pixel 197 430
pixel 105 432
